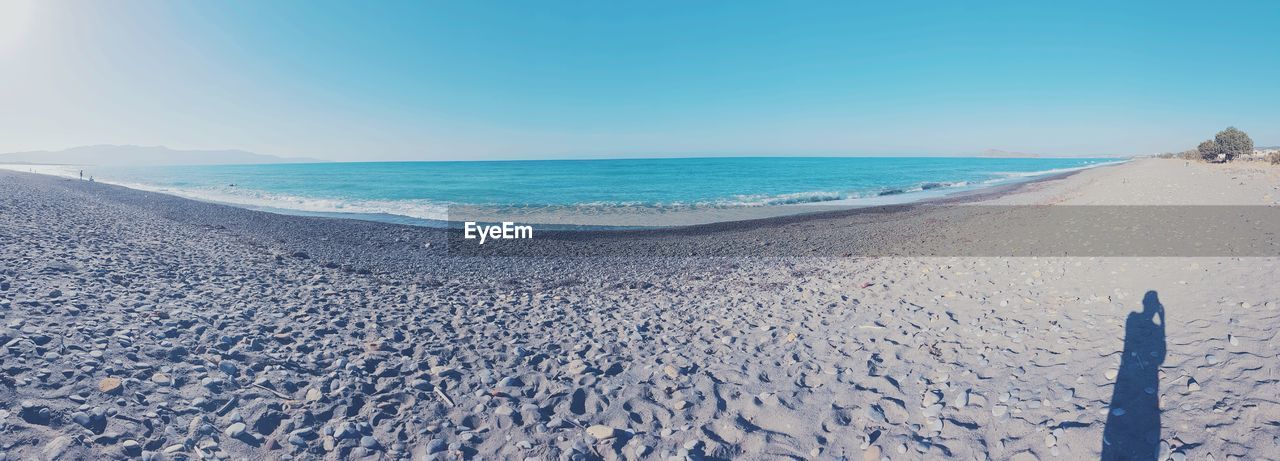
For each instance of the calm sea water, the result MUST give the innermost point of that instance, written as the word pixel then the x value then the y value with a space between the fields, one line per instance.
pixel 425 190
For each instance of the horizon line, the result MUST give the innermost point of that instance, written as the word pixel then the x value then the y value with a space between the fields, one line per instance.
pixel 304 158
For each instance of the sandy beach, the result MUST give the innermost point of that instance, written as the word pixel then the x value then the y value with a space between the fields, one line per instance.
pixel 140 325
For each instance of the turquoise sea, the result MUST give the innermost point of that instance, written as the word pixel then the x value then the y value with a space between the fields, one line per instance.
pixel 422 192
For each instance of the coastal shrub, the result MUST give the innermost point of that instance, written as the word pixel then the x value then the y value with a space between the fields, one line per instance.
pixel 1233 143
pixel 1274 157
pixel 1189 154
pixel 1208 151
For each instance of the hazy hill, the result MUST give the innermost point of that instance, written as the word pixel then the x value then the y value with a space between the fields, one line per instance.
pixel 144 155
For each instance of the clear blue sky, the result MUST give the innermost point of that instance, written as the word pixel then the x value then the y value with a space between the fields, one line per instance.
pixel 480 80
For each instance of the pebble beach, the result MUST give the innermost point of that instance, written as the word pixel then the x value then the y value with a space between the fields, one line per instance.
pixel 138 325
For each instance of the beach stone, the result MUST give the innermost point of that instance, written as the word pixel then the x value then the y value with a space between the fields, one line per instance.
pixel 346 431
pixel 369 442
pixel 235 429
pixel 212 384
pixel 80 418
pixel 110 385
pixel 60 267
pixel 1050 440
pixel 1111 374
pixel 602 432
pixel 161 379
pixel 314 394
pixel 229 367
pixel 56 448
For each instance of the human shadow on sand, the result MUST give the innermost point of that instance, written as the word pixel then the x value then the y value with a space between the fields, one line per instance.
pixel 1133 424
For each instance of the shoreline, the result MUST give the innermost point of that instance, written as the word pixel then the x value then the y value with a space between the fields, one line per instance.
pixel 957 225
pixel 670 219
pixel 373 245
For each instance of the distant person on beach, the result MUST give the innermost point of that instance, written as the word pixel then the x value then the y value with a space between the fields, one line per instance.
pixel 82 175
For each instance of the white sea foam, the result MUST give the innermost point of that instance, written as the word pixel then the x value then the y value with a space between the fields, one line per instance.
pixel 417 209
pixel 781 199
pixel 1034 174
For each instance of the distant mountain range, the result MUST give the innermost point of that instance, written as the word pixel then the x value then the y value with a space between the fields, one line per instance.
pixel 109 155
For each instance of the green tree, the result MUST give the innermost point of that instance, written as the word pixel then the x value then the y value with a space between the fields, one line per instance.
pixel 1208 151
pixel 1234 143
